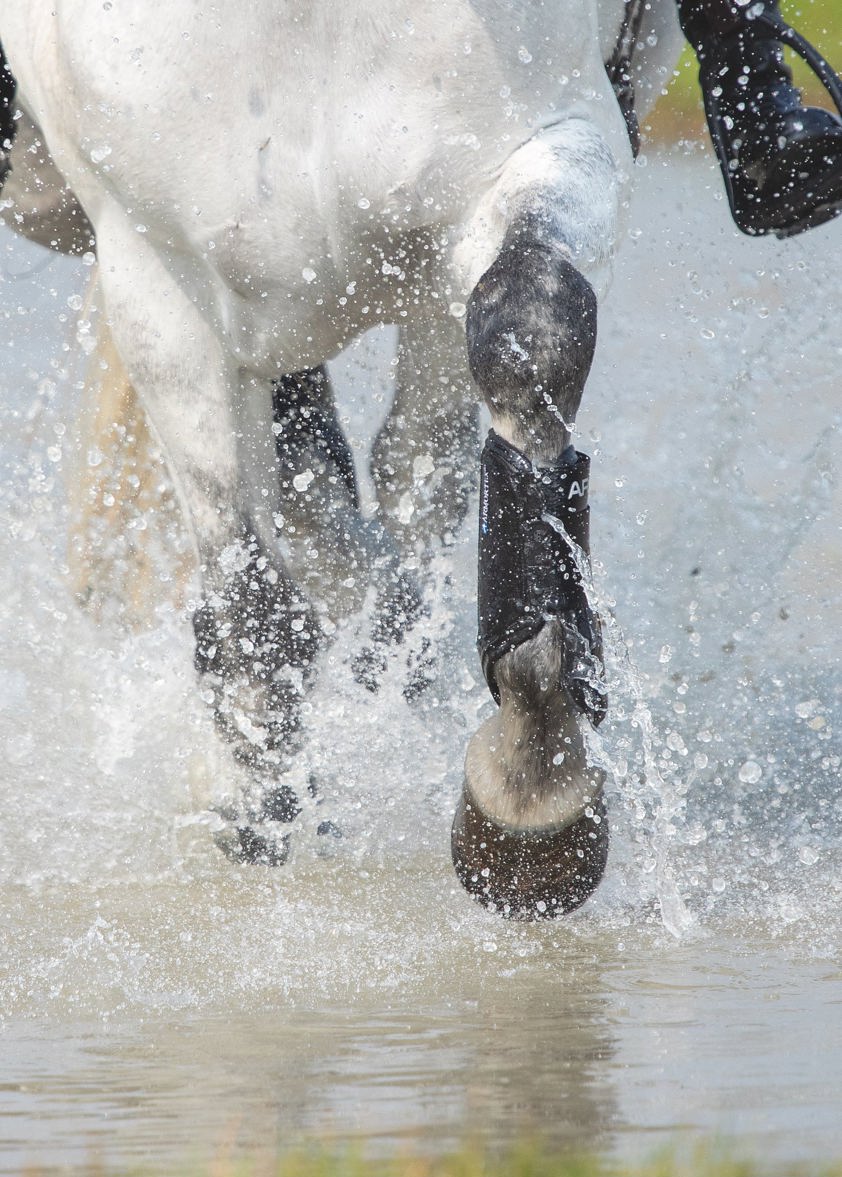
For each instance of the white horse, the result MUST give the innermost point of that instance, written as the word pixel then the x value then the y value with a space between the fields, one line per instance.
pixel 267 181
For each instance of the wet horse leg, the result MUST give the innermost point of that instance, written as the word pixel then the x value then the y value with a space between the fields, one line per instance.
pixel 312 511
pixel 529 835
pixel 422 458
pixel 424 454
pixel 256 636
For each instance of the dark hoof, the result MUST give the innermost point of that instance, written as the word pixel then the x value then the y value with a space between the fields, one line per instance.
pixel 527 875
pixel 244 844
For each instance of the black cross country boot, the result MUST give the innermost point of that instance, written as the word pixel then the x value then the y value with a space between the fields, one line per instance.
pixel 781 161
pixel 7 111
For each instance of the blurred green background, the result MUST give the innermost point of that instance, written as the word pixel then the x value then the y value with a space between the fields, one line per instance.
pixel 679 114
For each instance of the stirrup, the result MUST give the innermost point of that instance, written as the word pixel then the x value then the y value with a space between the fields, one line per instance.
pixel 744 197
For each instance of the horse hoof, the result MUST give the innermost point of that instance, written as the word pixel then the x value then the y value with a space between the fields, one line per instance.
pixel 529 874
pixel 245 844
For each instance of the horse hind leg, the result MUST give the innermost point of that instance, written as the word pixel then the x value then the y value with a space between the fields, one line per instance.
pixel 530 835
pixel 422 458
pixel 304 422
pixel 128 553
pixel 333 552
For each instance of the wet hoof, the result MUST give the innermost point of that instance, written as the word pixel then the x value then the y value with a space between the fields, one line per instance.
pixel 251 835
pixel 245 844
pixel 528 875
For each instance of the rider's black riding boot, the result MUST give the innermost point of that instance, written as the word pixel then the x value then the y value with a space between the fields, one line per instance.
pixel 781 161
pixel 7 123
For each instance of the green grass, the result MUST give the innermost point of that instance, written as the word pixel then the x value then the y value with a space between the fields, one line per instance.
pixel 680 112
pixel 526 1160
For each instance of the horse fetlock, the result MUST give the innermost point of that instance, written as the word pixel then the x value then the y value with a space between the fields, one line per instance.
pixel 256 640
pixel 527 764
pixel 533 578
pixel 529 836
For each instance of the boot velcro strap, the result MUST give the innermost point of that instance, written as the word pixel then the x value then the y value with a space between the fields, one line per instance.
pixel 533 542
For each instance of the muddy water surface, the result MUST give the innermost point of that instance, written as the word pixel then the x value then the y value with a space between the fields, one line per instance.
pixel 157 1004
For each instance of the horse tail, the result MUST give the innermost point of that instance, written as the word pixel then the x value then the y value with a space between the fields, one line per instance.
pixel 128 549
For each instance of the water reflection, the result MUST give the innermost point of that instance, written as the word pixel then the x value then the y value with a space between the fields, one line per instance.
pixel 614 1046
pixel 515 1057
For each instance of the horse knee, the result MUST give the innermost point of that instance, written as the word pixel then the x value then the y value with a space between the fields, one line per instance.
pixel 531 333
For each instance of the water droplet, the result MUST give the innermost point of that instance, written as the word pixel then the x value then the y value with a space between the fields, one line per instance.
pixel 808 855
pixel 750 772
pixel 308 275
pixel 363 202
pixel 458 310
pixel 524 55
pixel 302 481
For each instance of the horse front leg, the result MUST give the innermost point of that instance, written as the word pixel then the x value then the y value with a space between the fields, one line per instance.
pixel 256 635
pixel 530 836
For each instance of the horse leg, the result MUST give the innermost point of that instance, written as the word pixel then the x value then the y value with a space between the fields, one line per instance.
pixel 422 454
pixel 256 637
pixel 331 551
pixel 530 835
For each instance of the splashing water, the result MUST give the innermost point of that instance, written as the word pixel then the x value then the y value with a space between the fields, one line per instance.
pixel 361 976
